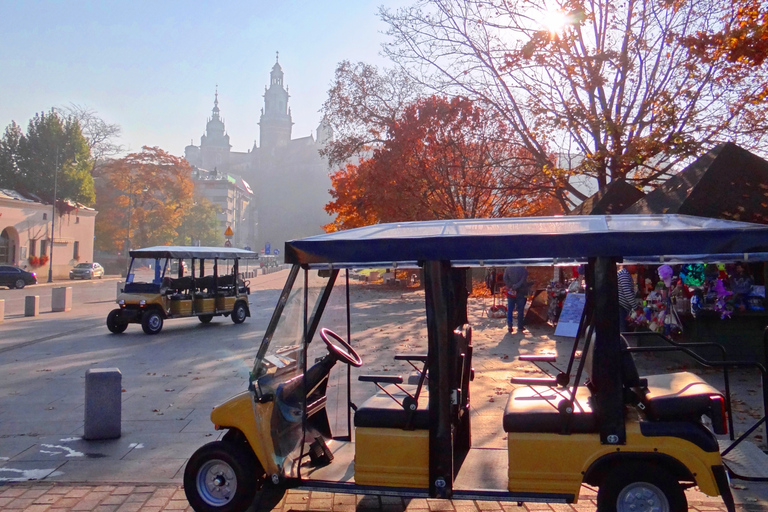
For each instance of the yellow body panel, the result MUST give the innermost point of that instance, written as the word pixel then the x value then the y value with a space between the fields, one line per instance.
pixel 181 307
pixel 148 298
pixel 554 463
pixel 204 305
pixel 392 457
pixel 252 419
pixel 225 303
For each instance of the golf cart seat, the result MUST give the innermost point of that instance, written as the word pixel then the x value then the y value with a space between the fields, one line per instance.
pixel 538 409
pixel 681 396
pixel 384 409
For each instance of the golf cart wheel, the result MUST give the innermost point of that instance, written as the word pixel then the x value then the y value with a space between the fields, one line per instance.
pixel 239 313
pixel 221 477
pixel 152 322
pixel 205 318
pixel 112 322
pixel 19 284
pixel 641 488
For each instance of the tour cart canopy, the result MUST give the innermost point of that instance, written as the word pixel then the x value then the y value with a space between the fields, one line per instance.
pixel 176 251
pixel 535 241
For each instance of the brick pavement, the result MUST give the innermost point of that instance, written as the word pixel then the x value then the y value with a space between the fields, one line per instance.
pixel 52 497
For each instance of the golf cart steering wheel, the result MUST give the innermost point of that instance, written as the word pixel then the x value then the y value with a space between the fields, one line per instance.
pixel 346 354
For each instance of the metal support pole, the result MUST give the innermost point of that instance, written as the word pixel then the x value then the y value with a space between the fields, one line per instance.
pixel 53 218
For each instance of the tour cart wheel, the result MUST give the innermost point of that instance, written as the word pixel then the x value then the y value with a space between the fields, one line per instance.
pixel 239 313
pixel 221 477
pixel 347 355
pixel 113 325
pixel 19 284
pixel 206 319
pixel 152 322
pixel 641 488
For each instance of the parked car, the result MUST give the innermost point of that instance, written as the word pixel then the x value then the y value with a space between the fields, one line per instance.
pixel 14 277
pixel 86 271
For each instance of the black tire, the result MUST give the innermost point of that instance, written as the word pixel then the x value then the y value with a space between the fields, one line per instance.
pixel 19 284
pixel 152 322
pixel 222 477
pixel 640 488
pixel 113 325
pixel 206 319
pixel 239 313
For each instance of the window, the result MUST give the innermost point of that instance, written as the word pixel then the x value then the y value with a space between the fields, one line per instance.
pixel 77 221
pixel 43 247
pixel 76 250
pixel 45 216
pixel 33 247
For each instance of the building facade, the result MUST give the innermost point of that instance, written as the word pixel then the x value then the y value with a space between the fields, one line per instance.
pixel 27 231
pixel 233 197
pixel 288 177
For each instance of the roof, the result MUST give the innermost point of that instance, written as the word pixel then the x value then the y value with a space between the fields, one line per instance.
pixel 616 198
pixel 175 251
pixel 534 240
pixel 6 193
pixel 728 182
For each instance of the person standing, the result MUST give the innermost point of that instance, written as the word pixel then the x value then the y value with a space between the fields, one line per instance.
pixel 516 281
pixel 627 296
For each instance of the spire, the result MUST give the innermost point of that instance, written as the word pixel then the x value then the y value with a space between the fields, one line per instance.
pixel 216 103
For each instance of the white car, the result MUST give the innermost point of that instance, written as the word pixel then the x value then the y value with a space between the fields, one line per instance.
pixel 86 271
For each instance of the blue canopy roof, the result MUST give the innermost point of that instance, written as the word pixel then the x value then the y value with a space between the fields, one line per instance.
pixel 535 240
pixel 176 251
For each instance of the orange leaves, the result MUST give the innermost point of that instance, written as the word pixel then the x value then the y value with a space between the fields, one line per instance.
pixel 142 198
pixel 443 158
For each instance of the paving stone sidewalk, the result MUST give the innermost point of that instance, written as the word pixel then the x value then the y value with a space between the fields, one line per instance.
pixel 44 497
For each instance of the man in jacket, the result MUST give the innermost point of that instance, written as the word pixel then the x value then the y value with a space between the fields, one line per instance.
pixel 516 281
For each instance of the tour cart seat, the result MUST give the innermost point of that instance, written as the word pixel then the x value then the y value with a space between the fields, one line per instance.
pixel 382 411
pixel 537 409
pixel 681 396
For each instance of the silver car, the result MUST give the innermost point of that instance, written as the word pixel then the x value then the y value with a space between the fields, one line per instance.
pixel 86 271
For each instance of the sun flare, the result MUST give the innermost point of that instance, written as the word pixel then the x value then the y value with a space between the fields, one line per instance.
pixel 554 21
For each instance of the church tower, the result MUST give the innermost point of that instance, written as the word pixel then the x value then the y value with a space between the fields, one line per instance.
pixel 275 122
pixel 214 144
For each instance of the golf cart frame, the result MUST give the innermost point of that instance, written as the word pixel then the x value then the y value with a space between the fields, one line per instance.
pixel 182 296
pixel 626 434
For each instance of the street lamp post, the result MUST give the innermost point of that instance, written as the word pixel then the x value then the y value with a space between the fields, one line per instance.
pixel 53 218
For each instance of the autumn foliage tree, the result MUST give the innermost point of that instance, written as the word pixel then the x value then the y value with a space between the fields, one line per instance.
pixel 618 87
pixel 142 199
pixel 441 158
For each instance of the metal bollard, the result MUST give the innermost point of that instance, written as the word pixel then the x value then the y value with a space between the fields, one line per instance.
pixel 61 299
pixel 103 403
pixel 31 305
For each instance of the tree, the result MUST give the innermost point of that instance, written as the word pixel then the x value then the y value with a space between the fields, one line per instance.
pixel 442 158
pixel 142 198
pixel 361 104
pixel 99 134
pixel 612 82
pixel 200 225
pixel 52 154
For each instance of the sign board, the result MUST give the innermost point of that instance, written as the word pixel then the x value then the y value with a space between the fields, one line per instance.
pixel 276 252
pixel 570 316
pixel 267 248
pixel 229 232
pixel 228 243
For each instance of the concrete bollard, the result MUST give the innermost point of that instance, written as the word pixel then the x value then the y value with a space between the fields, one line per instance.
pixel 61 299
pixel 31 305
pixel 103 403
pixel 2 310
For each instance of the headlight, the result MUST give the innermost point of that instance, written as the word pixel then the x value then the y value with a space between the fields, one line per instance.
pixel 142 303
pixel 121 302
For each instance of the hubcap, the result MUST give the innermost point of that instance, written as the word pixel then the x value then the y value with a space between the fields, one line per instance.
pixel 642 497
pixel 216 483
pixel 154 322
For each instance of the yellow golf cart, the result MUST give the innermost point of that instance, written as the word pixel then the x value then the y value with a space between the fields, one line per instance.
pixel 158 288
pixel 640 439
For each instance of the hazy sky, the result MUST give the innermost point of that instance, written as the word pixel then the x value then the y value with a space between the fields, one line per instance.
pixel 152 66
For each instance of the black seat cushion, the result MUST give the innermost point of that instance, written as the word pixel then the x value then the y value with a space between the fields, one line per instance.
pixel 677 396
pixel 534 409
pixel 381 411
